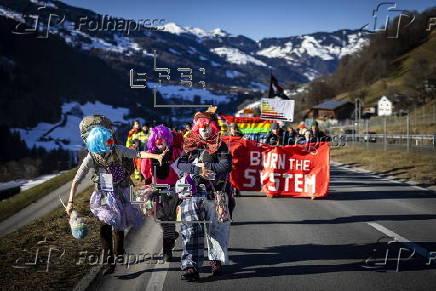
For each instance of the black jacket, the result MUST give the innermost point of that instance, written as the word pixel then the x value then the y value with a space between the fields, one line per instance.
pixel 219 162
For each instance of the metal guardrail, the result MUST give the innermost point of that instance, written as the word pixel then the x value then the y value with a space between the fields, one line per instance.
pixel 412 140
pixel 392 136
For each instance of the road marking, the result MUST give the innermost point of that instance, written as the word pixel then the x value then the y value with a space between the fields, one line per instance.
pixel 157 278
pixel 418 249
pixel 394 179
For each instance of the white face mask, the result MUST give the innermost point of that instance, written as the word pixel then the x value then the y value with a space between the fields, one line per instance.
pixel 205 132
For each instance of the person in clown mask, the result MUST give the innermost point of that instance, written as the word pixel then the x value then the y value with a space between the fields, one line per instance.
pixel 110 202
pixel 208 161
pixel 161 140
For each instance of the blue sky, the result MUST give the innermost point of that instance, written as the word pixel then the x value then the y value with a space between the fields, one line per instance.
pixel 255 19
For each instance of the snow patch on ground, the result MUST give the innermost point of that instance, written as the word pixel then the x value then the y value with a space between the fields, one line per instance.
pixel 235 56
pixel 233 74
pixel 173 51
pixel 11 14
pixel 257 85
pixel 69 130
pixel 214 64
pixel 197 32
pixel 184 93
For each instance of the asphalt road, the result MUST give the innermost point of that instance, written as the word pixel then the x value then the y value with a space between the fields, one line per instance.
pixel 303 244
pixel 41 207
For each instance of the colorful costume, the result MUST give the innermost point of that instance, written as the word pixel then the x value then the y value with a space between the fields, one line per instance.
pixel 110 202
pixel 164 174
pixel 136 139
pixel 215 156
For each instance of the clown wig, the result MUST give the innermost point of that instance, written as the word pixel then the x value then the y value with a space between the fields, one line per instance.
pixel 201 122
pixel 159 132
pixel 99 140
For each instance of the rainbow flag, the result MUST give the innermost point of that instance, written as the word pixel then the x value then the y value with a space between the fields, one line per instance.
pixel 247 125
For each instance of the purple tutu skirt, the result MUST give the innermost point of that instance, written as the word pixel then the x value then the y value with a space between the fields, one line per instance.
pixel 115 209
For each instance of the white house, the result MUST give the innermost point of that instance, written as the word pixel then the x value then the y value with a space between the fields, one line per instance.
pixel 384 107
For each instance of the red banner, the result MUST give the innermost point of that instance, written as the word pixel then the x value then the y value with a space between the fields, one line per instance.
pixel 299 171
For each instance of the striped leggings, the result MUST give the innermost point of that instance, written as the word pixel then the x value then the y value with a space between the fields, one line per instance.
pixel 168 230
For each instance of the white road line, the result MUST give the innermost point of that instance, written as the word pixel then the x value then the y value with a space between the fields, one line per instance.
pixel 418 249
pixel 157 278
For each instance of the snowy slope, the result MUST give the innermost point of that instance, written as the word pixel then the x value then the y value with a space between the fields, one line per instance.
pixel 66 133
pixel 178 92
pixel 235 56
pixel 197 32
pixel 297 58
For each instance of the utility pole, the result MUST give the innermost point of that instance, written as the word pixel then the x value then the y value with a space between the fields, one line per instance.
pixel 434 114
pixel 368 138
pixel 385 137
pixel 408 132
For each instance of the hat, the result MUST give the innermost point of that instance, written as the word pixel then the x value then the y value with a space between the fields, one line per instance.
pixel 314 123
pixel 209 114
pixel 275 126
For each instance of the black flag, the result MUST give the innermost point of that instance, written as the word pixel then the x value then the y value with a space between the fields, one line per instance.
pixel 275 89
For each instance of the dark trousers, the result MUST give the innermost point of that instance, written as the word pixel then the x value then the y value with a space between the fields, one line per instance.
pixel 112 242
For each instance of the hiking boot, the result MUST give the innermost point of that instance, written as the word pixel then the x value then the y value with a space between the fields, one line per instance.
pixel 190 275
pixel 217 269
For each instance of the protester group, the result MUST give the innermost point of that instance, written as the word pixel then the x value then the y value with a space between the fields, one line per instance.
pixel 196 156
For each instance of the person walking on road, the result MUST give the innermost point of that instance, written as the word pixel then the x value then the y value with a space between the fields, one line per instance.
pixel 275 137
pixel 317 134
pixel 289 135
pixel 208 161
pixel 110 201
pixel 162 139
pixel 134 139
pixel 235 131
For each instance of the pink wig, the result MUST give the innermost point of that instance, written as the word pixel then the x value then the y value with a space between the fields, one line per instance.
pixel 159 132
pixel 200 122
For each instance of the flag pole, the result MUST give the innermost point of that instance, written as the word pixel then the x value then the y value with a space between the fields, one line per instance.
pixel 270 81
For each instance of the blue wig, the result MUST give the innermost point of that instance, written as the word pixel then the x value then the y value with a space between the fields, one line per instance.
pixel 97 140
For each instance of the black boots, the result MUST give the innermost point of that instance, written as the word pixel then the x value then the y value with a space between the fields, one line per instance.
pixel 168 245
pixel 190 274
pixel 216 268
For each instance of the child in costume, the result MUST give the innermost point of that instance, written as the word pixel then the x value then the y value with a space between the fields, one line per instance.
pixel 110 202
pixel 208 161
pixel 162 139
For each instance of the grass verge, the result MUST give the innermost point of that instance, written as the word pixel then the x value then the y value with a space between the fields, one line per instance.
pixel 63 271
pixel 14 204
pixel 419 168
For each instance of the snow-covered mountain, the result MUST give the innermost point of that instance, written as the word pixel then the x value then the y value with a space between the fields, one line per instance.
pixel 295 58
pixel 109 52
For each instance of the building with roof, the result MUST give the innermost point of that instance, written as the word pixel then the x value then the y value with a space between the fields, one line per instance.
pixel 331 109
